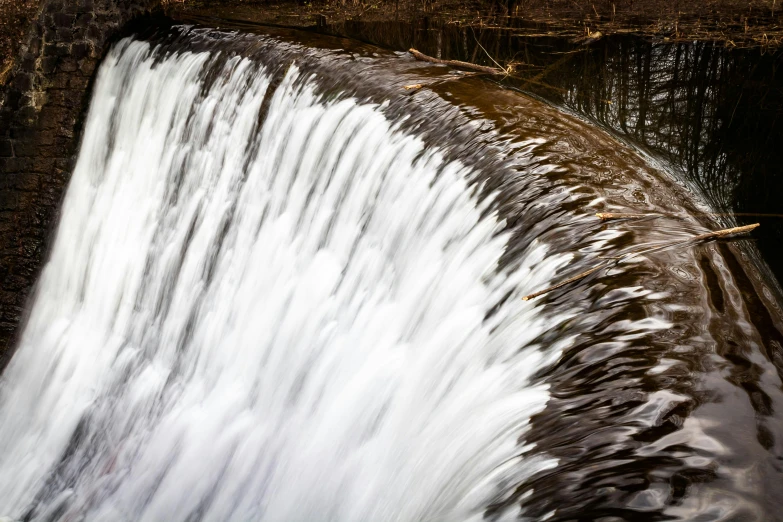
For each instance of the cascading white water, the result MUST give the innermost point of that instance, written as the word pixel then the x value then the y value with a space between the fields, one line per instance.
pixel 284 322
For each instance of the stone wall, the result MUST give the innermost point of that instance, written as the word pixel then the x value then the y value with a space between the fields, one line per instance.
pixel 40 110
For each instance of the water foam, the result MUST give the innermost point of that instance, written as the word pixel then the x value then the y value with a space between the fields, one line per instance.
pixel 286 321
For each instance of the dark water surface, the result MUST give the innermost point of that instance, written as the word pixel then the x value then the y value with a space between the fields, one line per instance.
pixel 666 401
pixel 712 113
pixel 664 370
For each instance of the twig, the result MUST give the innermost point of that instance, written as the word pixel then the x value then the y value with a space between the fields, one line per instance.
pixel 696 239
pixel 456 63
pixel 723 233
pixel 417 86
pixel 606 216
pixel 563 283
pixel 485 51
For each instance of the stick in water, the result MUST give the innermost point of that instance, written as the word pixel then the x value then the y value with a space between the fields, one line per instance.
pixel 702 237
pixel 724 233
pixel 456 63
pixel 606 216
pixel 563 283
pixel 416 86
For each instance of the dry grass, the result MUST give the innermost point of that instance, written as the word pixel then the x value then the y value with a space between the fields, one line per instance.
pixel 734 22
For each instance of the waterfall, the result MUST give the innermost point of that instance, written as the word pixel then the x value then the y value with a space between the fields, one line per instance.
pixel 265 303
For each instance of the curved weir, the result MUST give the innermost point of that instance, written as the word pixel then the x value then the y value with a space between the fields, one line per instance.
pixel 283 289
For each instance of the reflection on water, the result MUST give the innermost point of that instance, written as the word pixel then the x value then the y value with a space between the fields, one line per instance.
pixel 712 113
pixel 296 348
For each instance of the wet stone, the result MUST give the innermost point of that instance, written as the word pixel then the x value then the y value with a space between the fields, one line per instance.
pixel 6 150
pixel 12 99
pixel 73 8
pixel 43 165
pixel 80 50
pixel 21 133
pixel 31 247
pixel 59 81
pixel 63 49
pixel 47 137
pixel 88 66
pixel 27 65
pixel 12 311
pixel 62 19
pixel 54 6
pixel 59 98
pixel 24 81
pixel 62 164
pixel 35 45
pixel 84 20
pixel 49 64
pixel 64 34
pixel 28 114
pixel 78 82
pixel 10 200
pixel 69 65
pixel 19 181
pixel 27 150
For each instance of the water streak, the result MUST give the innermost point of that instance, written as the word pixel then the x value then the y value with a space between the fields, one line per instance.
pixel 277 320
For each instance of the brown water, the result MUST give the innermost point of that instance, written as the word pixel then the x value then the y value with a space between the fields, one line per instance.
pixel 678 423
pixel 710 113
pixel 666 401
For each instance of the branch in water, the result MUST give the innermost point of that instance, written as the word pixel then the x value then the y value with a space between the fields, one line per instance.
pixel 724 233
pixel 718 234
pixel 606 216
pixel 563 283
pixel 416 86
pixel 456 63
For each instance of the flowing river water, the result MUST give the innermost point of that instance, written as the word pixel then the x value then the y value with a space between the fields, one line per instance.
pixel 285 288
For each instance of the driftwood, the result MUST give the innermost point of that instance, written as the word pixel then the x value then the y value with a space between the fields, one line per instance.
pixel 457 63
pixel 723 233
pixel 718 234
pixel 416 86
pixel 589 39
pixel 606 216
pixel 563 283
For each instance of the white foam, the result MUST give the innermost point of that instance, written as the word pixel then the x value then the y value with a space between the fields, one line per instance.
pixel 285 323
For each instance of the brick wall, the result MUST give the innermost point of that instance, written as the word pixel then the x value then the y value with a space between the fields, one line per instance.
pixel 40 110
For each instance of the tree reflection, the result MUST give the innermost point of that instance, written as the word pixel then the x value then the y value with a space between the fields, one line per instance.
pixel 709 112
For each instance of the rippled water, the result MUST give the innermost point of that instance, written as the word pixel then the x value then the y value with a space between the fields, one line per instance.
pixel 283 288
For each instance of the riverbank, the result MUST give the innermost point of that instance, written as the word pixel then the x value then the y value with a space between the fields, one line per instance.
pixel 735 23
pixel 732 22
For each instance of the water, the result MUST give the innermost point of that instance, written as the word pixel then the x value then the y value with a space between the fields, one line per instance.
pixel 705 109
pixel 284 289
pixel 247 322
